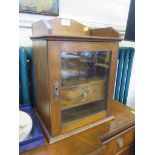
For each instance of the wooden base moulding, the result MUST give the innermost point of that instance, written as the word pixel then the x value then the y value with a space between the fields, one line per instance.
pixel 52 140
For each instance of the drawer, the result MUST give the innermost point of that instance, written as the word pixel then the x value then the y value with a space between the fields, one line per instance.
pixel 82 93
pixel 120 142
pixel 102 151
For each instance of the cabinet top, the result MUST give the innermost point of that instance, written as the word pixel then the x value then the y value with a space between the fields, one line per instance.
pixel 66 29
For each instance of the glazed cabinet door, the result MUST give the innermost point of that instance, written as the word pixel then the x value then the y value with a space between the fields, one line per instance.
pixel 80 77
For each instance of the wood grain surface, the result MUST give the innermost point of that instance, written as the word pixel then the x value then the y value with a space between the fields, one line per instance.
pixel 90 142
pixel 55 38
pixel 82 93
pixel 42 81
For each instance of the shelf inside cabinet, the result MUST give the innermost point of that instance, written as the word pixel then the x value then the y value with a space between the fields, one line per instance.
pixel 102 65
pixel 79 104
pixel 77 113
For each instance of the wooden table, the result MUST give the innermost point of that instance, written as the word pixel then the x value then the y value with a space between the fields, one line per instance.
pixel 115 137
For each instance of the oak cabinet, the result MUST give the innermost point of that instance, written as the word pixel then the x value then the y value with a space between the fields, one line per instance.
pixel 74 75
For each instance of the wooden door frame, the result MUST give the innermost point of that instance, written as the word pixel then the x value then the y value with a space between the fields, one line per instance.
pixel 54 63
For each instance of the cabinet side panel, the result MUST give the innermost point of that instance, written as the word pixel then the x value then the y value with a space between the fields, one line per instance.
pixel 41 81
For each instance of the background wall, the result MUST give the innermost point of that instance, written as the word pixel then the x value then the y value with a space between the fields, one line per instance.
pixel 94 14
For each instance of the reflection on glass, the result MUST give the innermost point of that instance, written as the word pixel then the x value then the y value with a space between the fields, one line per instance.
pixel 84 78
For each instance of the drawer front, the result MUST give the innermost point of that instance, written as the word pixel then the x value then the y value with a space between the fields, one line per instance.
pixel 120 142
pixel 102 151
pixel 82 93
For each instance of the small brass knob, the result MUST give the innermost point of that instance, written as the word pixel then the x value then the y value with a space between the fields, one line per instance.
pixel 120 143
pixel 84 94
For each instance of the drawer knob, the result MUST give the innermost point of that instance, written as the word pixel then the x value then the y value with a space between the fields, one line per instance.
pixel 120 143
pixel 84 94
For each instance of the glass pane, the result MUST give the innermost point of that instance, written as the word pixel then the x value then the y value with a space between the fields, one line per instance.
pixel 84 77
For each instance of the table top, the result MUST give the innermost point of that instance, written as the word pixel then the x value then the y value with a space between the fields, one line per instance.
pixel 91 139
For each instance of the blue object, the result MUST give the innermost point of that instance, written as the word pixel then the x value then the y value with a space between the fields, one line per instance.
pixel 23 73
pixel 119 73
pixel 131 56
pixel 124 76
pixel 36 138
pixel 124 67
pixel 26 72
